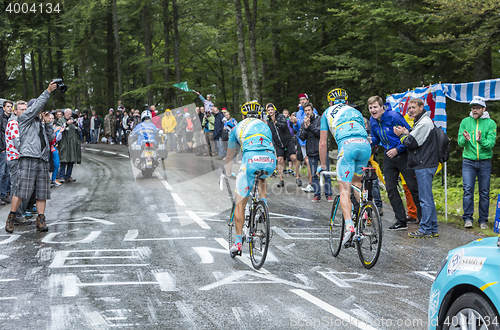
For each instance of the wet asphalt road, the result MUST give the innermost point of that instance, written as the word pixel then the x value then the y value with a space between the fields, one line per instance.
pixel 127 252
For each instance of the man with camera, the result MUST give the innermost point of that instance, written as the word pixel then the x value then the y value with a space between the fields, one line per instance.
pixel 35 132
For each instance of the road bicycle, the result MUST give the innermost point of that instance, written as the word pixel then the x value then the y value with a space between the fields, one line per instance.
pixel 368 227
pixel 256 228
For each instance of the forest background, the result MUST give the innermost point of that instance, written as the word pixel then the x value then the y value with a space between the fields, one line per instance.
pixel 238 50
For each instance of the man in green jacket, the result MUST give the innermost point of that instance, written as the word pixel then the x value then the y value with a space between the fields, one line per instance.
pixel 477 135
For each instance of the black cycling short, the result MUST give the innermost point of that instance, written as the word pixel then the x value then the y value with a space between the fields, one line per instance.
pixel 287 151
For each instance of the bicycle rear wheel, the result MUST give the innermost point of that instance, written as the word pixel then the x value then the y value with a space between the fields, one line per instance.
pixel 336 227
pixel 369 242
pixel 232 229
pixel 258 239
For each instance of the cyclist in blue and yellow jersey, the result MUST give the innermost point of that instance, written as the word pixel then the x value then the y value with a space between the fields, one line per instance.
pixel 256 142
pixel 348 127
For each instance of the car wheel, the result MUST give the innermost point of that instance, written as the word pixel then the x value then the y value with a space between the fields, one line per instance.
pixel 471 311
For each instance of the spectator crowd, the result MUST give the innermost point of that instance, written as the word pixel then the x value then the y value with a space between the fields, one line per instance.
pixel 409 144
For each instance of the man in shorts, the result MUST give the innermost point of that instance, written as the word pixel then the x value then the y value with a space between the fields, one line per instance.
pixel 256 142
pixel 348 127
pixel 35 132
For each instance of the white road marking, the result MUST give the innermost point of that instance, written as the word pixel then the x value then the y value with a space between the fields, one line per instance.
pixel 61 257
pixel 92 149
pixel 3 256
pixel 205 253
pixel 427 274
pixel 177 199
pixel 109 152
pixel 165 183
pixel 159 176
pixel 279 216
pixel 132 235
pixel 8 280
pixel 82 220
pixel 243 258
pixel 91 237
pixel 261 278
pixel 93 318
pixel 281 232
pixel 285 235
pixel 356 278
pixel 126 156
pixel 10 239
pixel 8 298
pixel 332 310
pixel 196 218
pixel 165 280
pixel 163 217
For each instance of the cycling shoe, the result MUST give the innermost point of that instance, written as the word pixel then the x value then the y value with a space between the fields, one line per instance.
pixel 235 250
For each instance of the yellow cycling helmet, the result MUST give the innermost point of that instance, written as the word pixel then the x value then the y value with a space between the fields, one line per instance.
pixel 251 109
pixel 337 95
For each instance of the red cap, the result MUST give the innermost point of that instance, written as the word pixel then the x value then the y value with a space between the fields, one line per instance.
pixel 186 109
pixel 303 95
pixel 224 109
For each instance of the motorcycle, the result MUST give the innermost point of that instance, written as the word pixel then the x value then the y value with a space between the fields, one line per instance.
pixel 148 154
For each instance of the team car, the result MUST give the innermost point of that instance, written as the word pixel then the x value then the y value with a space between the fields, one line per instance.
pixel 466 292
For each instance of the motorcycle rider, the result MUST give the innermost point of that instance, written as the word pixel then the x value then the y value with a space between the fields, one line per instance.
pixel 145 131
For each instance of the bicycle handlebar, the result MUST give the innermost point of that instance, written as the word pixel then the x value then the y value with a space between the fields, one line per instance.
pixel 322 174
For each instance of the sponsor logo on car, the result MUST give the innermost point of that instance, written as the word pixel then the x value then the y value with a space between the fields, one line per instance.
pixel 461 262
pixel 434 304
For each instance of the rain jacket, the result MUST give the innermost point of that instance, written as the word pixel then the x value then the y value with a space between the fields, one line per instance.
pixel 168 122
pixel 70 147
pixel 383 133
pixel 29 130
pixel 482 149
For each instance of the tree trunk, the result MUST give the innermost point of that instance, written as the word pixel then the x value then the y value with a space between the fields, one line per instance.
pixel 482 65
pixel 176 48
pixel 40 70
pixel 118 52
pixel 23 76
pixel 241 51
pixel 110 99
pixel 276 67
pixel 77 94
pixel 236 104
pixel 3 64
pixel 33 74
pixel 148 47
pixel 251 18
pixel 166 68
pixel 59 58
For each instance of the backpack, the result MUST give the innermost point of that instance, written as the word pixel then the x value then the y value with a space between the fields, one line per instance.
pixel 443 145
pixel 190 125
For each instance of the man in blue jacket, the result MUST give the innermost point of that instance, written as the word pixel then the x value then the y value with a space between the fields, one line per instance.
pixel 395 158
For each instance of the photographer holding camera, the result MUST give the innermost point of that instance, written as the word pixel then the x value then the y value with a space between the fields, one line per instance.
pixel 35 132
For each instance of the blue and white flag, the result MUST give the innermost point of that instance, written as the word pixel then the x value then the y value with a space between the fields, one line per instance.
pixel 489 89
pixel 434 102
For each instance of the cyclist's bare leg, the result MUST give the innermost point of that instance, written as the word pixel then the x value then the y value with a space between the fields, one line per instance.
pixel 345 195
pixel 262 188
pixel 239 213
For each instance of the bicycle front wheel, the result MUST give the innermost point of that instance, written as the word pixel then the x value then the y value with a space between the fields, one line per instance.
pixel 369 241
pixel 259 235
pixel 336 227
pixel 232 229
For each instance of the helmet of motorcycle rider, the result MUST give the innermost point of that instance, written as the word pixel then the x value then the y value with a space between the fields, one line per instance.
pixel 251 109
pixel 146 114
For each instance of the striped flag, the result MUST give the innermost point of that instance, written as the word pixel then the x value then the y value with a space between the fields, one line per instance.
pixel 489 89
pixel 434 102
